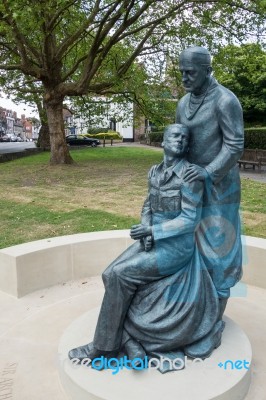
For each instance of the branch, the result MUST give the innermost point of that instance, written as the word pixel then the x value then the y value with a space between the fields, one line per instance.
pixel 9 48
pixel 72 39
pixel 92 66
pixel 242 7
pixel 123 69
pixel 74 68
pixel 182 6
pixel 21 41
pixel 72 88
pixel 51 24
pixel 11 67
pixel 26 91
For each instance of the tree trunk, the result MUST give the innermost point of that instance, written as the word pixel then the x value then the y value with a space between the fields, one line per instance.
pixel 59 150
pixel 44 137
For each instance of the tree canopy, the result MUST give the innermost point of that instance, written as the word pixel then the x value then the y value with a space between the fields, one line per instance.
pixel 242 69
pixel 63 48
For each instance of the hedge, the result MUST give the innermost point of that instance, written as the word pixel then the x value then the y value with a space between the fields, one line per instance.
pixel 105 135
pixel 255 138
pixel 157 129
pixel 99 129
pixel 156 137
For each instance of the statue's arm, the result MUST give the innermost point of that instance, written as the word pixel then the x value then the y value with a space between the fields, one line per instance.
pixel 188 219
pixel 230 118
pixel 146 219
pixel 146 213
pixel 139 232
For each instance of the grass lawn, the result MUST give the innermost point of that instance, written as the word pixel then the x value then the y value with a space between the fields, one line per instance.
pixel 104 190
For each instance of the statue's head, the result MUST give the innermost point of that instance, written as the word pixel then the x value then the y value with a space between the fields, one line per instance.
pixel 175 140
pixel 195 67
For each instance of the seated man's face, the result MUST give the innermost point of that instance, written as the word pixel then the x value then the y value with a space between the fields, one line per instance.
pixel 176 142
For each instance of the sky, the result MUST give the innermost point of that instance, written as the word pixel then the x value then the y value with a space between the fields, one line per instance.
pixel 22 108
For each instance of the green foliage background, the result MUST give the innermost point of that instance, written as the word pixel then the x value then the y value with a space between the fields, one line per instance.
pixel 242 69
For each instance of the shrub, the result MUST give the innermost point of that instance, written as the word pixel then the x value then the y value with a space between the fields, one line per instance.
pixel 157 128
pixel 156 137
pixel 142 137
pixel 255 138
pixel 94 131
pixel 106 135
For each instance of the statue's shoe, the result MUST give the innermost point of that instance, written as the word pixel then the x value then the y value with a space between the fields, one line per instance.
pixel 88 351
pixel 134 351
pixel 204 347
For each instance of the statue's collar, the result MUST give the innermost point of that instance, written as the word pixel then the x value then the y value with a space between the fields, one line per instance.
pixel 192 109
pixel 179 168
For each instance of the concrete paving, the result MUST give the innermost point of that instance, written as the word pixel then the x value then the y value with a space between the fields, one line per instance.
pixel 254 175
pixel 15 147
pixel 31 328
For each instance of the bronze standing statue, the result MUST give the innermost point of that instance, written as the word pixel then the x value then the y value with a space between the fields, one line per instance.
pixel 214 117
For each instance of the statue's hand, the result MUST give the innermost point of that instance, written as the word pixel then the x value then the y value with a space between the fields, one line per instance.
pixel 194 172
pixel 140 231
pixel 147 243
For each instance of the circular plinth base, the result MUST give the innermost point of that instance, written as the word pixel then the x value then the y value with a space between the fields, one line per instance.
pixel 225 375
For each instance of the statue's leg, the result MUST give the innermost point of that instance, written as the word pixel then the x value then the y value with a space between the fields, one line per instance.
pixel 133 268
pixel 89 352
pixel 121 280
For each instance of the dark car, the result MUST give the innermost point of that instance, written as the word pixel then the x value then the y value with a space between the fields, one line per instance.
pixel 79 140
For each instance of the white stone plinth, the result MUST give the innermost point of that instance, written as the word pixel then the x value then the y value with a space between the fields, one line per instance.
pixel 201 381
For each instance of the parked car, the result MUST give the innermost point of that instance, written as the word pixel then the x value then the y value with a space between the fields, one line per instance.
pixel 19 139
pixel 5 138
pixel 13 138
pixel 79 140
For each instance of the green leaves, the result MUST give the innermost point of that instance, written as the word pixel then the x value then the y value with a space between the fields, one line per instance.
pixel 242 69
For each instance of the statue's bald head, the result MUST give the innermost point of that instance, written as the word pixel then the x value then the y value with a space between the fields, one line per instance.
pixel 196 55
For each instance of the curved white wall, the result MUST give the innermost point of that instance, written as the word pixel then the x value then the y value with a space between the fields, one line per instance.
pixel 31 266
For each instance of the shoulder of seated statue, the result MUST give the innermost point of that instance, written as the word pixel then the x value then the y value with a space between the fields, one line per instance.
pixel 186 164
pixel 193 187
pixel 153 170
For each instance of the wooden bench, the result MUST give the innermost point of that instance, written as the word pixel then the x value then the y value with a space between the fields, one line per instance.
pixel 254 157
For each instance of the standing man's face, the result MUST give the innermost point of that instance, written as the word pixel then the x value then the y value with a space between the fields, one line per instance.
pixel 194 76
